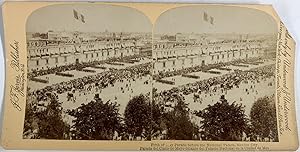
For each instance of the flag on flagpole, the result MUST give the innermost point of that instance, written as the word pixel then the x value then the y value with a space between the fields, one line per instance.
pixel 75 14
pixel 208 18
pixel 78 16
pixel 205 17
pixel 82 18
pixel 211 20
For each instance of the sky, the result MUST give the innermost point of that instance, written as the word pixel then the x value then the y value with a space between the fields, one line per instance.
pixel 98 19
pixel 227 19
pixel 188 19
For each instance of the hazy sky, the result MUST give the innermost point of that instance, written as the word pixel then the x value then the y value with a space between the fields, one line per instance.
pixel 98 18
pixel 226 20
pixel 122 19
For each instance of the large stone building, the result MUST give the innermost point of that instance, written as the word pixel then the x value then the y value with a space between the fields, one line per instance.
pixel 48 53
pixel 175 55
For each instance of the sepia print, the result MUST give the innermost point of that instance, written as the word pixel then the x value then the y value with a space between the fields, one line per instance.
pixel 214 74
pixel 88 73
pixel 94 74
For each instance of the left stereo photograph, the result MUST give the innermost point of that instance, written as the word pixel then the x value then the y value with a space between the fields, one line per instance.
pixel 88 68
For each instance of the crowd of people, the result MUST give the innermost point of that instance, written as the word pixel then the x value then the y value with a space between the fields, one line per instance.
pixel 98 81
pixel 108 78
pixel 203 68
pixel 223 83
pixel 78 66
pixel 87 86
pixel 248 82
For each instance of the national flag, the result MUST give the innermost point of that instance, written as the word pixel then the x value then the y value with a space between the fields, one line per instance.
pixel 75 14
pixel 78 16
pixel 211 20
pixel 205 17
pixel 82 18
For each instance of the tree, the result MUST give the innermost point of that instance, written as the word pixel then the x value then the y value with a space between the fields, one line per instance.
pixel 223 121
pixel 137 117
pixel 157 119
pixel 263 118
pixel 178 123
pixel 96 120
pixel 28 122
pixel 50 122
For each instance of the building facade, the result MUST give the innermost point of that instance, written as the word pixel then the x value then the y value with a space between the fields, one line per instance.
pixel 174 55
pixel 48 53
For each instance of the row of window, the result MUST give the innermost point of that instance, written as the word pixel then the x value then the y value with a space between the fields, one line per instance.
pixel 56 53
pixel 47 60
pixel 182 62
pixel 233 55
pixel 65 57
pixel 173 52
pixel 212 57
pixel 97 54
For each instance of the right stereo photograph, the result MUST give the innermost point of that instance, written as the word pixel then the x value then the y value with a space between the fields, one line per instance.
pixel 214 75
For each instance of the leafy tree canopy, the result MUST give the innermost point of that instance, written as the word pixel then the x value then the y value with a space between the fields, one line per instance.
pixel 223 121
pixel 96 120
pixel 263 118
